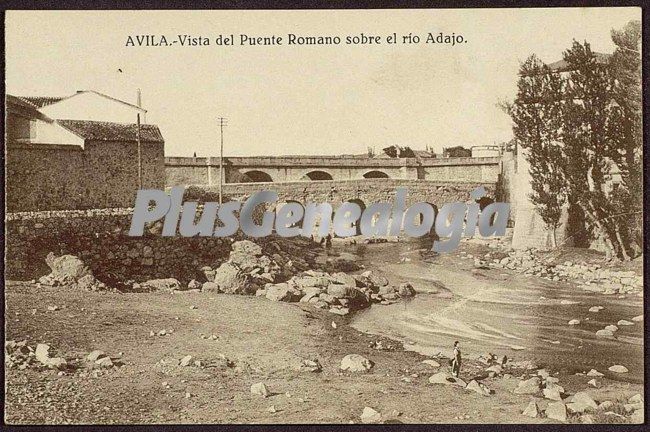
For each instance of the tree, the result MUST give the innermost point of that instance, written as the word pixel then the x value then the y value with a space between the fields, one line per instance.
pixel 537 124
pixel 625 66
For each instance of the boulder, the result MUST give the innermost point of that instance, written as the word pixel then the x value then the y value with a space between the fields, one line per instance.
pixel 592 382
pixel 638 318
pixel 230 279
pixel 340 291
pixel 552 394
pixel 604 333
pixel 167 284
pixel 529 386
pixel 531 410
pixel 611 328
pixel 282 292
pixel 66 267
pixel 556 411
pixel 186 361
pixel 356 363
pixel 574 322
pixel 479 388
pixel 594 373
pixel 625 323
pixel 431 362
pixel 193 284
pixel 95 355
pixel 42 353
pixel 260 389
pixel 370 416
pixel 618 369
pixel 584 401
pixel 637 416
pixel 210 287
pixel 637 398
pixel 596 309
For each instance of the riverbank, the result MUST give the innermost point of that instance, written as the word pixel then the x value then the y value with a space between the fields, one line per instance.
pixel 192 356
pixel 239 341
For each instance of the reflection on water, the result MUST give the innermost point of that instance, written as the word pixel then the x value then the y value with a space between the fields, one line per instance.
pixel 500 312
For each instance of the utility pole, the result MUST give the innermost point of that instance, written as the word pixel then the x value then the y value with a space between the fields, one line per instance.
pixel 137 135
pixel 222 124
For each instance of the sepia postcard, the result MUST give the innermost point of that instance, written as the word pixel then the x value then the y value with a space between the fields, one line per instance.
pixel 341 216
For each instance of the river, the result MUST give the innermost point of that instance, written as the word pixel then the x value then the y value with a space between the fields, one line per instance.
pixel 498 311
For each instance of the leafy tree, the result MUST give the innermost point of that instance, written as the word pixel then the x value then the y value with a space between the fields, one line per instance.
pixel 537 123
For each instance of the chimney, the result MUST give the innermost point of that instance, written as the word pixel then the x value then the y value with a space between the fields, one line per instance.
pixel 139 99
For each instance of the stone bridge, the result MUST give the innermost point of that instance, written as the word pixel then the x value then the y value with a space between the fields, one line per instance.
pixel 205 171
pixel 363 192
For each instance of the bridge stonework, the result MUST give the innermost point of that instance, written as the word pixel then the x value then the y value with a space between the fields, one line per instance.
pixel 205 171
pixel 367 191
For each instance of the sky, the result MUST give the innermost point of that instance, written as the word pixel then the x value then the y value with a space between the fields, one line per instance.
pixel 293 99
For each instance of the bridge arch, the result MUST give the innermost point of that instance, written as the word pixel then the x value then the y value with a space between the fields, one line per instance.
pixel 375 174
pixel 257 176
pixel 317 175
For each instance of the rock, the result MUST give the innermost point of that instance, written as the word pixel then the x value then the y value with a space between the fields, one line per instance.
pixel 625 323
pixel 584 400
pixel 629 407
pixel 104 362
pixel 53 308
pixel 574 322
pixel 356 363
pixel 340 311
pixel 495 369
pixel 594 373
pixel 556 411
pixel 340 291
pixel 605 333
pixel 479 388
pixel 272 409
pixel 307 297
pixel 230 279
pixel 167 284
pixel 529 386
pixel 618 369
pixel 638 318
pixel 370 416
pixel 447 379
pixel 210 287
pixel 282 292
pixel 57 363
pixel 185 361
pixel 611 328
pixel 587 419
pixel 637 416
pixel 592 382
pixel 95 355
pixel 431 362
pixel 543 373
pixel 405 289
pixel 552 394
pixel 605 405
pixel 637 398
pixel 531 410
pixel 596 309
pixel 66 267
pixel 311 366
pixel 193 284
pixel 260 389
pixel 42 353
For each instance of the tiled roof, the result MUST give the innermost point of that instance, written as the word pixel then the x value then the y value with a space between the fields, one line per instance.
pixel 41 101
pixel 106 131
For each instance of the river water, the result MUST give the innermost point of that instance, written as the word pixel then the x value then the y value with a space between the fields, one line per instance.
pixel 499 311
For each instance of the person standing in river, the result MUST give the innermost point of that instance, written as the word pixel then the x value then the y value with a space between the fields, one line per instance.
pixel 456 360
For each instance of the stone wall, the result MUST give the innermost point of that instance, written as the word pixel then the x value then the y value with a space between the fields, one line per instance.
pixel 368 191
pixel 64 177
pixel 99 238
